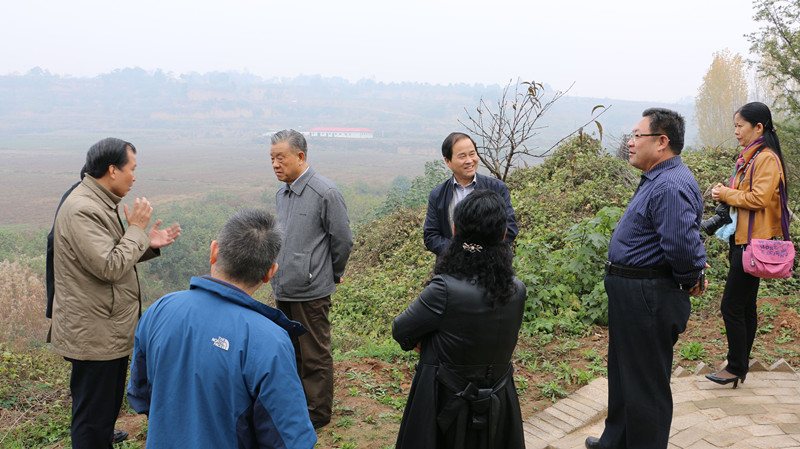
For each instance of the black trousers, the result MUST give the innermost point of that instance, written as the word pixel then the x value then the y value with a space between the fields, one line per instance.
pixel 97 389
pixel 645 317
pixel 739 311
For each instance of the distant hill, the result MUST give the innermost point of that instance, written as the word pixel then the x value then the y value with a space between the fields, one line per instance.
pixel 240 105
pixel 201 133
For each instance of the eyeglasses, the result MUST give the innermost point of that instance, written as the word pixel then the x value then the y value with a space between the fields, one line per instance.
pixel 636 136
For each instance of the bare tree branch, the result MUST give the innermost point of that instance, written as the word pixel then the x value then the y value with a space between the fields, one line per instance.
pixel 504 128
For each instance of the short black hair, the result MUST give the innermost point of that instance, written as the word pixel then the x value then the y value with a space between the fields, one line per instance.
pixel 670 123
pixel 450 141
pixel 105 153
pixel 249 244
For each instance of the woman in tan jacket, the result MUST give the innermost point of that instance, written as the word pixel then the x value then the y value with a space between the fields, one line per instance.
pixel 759 196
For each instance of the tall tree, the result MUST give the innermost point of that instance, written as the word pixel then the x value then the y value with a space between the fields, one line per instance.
pixel 777 43
pixel 724 90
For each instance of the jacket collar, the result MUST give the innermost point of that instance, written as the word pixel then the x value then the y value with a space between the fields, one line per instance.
pixel 300 183
pixel 237 296
pixel 104 194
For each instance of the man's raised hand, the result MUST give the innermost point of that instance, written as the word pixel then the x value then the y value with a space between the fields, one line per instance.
pixel 163 237
pixel 142 212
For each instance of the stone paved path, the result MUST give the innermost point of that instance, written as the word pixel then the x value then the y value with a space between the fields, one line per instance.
pixel 764 412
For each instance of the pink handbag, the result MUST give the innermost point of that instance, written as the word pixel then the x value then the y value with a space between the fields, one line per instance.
pixel 770 259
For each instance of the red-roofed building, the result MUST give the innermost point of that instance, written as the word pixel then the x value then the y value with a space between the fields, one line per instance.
pixel 353 133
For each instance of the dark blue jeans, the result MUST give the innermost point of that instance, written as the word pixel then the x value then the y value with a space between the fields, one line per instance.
pixel 645 317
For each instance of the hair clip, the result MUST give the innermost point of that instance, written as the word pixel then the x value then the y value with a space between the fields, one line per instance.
pixel 472 248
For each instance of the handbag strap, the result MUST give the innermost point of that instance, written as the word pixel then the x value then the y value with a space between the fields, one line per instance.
pixel 784 205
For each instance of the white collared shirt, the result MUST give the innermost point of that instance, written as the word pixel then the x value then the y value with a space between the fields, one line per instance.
pixel 460 192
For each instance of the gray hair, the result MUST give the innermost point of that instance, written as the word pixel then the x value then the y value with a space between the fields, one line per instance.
pixel 249 244
pixel 295 140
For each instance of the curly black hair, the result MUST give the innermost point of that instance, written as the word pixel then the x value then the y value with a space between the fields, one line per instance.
pixel 478 250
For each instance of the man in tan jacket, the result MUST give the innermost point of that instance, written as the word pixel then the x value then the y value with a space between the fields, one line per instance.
pixel 97 299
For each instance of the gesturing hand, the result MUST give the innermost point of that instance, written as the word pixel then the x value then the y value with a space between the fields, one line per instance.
pixel 142 212
pixel 163 237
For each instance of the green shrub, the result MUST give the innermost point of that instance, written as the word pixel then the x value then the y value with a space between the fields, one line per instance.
pixel 692 350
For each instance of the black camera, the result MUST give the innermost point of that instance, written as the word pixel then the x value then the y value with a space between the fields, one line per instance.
pixel 722 216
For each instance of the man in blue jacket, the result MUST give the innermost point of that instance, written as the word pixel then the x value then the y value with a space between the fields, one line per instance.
pixel 461 156
pixel 214 368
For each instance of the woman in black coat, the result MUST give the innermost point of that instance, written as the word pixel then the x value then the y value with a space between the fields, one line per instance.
pixel 464 324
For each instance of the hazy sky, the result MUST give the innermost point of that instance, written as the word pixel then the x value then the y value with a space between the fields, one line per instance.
pixel 623 49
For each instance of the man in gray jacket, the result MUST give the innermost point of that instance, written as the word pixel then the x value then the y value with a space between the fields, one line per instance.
pixel 97 301
pixel 316 245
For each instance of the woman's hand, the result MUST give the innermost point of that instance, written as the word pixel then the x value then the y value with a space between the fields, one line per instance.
pixel 716 191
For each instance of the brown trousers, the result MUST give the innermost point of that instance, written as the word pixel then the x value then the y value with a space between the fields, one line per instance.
pixel 313 354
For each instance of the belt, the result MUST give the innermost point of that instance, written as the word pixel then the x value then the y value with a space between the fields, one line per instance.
pixel 638 273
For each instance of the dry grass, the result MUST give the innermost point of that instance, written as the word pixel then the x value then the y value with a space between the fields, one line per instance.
pixel 22 305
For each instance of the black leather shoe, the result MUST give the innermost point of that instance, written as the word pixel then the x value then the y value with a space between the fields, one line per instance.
pixel 593 443
pixel 319 425
pixel 119 436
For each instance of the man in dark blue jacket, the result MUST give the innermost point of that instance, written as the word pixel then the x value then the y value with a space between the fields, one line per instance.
pixel 461 156
pixel 214 368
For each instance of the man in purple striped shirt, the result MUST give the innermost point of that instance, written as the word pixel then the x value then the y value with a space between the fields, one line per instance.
pixel 656 260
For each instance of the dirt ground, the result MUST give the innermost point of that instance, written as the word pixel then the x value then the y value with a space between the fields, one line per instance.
pixel 368 392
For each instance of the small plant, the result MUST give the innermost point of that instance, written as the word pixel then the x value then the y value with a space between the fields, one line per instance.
pixel 787 335
pixel 142 435
pixel 359 376
pixel 567 347
pixel 395 373
pixel 768 310
pixel 523 356
pixel 598 368
pixel 566 372
pixel 765 329
pixel 583 377
pixel 370 420
pixel 345 422
pixel 391 417
pixel 591 354
pixel 692 350
pixel 522 384
pixel 786 352
pixel 548 366
pixel 553 390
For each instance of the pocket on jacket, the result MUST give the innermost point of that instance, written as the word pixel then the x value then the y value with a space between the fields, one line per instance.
pixel 295 272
